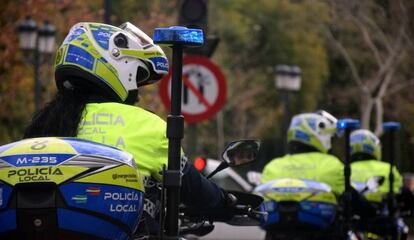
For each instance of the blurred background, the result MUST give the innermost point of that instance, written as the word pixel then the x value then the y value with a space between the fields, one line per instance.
pixel 353 59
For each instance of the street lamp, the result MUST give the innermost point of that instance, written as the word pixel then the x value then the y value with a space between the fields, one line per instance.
pixel 287 80
pixel 36 42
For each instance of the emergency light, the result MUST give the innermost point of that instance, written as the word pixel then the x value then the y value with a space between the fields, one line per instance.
pixel 391 126
pixel 177 38
pixel 178 35
pixel 347 123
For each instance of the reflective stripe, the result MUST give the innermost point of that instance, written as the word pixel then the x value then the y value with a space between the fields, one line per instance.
pixel 182 164
pixel 150 207
pixel 151 185
pixel 150 182
pixel 145 54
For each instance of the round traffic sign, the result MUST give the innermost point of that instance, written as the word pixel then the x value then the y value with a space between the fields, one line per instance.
pixel 203 92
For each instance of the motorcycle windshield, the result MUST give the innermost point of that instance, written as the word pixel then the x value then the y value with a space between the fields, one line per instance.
pixel 289 189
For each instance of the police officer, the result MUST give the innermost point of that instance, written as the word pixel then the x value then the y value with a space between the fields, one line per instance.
pixel 309 140
pixel 98 70
pixel 309 143
pixel 366 162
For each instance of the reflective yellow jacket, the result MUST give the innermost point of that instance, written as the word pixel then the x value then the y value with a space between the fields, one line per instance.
pixel 130 128
pixel 362 170
pixel 314 166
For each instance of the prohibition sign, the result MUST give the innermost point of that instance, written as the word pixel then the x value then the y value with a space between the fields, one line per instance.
pixel 204 89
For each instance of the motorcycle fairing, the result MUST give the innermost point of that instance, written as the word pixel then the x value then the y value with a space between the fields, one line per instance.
pixel 92 182
pixel 306 201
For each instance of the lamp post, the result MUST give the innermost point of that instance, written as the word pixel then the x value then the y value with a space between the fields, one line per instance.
pixel 287 80
pixel 36 42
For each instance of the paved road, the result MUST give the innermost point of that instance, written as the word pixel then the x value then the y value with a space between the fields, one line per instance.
pixel 224 231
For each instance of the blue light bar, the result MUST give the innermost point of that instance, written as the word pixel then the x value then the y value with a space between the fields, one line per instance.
pixel 391 126
pixel 348 123
pixel 178 35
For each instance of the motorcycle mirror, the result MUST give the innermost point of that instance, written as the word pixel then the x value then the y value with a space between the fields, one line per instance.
pixel 241 152
pixel 238 153
pixel 374 182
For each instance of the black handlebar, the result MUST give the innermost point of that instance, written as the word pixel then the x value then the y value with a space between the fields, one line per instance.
pixel 244 209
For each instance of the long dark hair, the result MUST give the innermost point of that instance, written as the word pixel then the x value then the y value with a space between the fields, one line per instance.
pixel 60 117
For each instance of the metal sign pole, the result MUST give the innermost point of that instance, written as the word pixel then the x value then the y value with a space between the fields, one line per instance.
pixel 177 38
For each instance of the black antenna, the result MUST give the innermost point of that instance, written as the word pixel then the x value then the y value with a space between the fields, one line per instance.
pixel 390 129
pixel 348 125
pixel 177 38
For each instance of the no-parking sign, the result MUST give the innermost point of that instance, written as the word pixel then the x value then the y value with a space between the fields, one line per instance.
pixel 204 89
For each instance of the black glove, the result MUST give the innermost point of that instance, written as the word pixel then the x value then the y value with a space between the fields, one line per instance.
pixel 361 206
pixel 230 199
pixel 405 200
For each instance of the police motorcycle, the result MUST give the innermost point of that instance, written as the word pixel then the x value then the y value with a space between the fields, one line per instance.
pixel 286 222
pixel 298 209
pixel 378 227
pixel 244 212
pixel 67 188
pixel 303 208
pixel 389 221
pixel 366 189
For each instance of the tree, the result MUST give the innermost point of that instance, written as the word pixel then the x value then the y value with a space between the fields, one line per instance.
pixel 373 40
pixel 252 44
pixel 16 104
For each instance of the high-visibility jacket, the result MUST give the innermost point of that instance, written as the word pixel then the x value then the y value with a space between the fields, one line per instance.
pixel 361 171
pixel 314 166
pixel 130 128
pixel 143 134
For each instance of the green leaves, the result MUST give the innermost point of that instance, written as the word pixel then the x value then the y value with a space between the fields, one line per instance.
pixel 258 35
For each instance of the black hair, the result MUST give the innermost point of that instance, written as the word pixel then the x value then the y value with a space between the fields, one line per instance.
pixel 360 156
pixel 295 147
pixel 60 117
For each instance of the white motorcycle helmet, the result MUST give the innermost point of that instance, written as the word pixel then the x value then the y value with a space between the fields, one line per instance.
pixel 363 141
pixel 108 60
pixel 313 129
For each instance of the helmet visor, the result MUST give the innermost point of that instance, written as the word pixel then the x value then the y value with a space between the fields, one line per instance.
pixel 139 35
pixel 329 122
